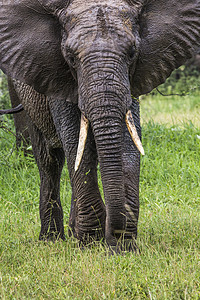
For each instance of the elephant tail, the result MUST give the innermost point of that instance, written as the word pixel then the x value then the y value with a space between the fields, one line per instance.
pixel 14 110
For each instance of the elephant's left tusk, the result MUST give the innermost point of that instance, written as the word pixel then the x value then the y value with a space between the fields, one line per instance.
pixel 82 140
pixel 133 132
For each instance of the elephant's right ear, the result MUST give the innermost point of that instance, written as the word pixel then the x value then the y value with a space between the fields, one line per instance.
pixel 30 46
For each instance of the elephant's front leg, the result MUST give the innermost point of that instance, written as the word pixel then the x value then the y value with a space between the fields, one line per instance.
pixel 88 207
pixel 50 163
pixel 87 215
pixel 131 169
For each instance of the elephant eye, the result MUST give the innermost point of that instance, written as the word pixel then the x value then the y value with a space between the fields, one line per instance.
pixel 131 53
pixel 72 61
pixel 69 57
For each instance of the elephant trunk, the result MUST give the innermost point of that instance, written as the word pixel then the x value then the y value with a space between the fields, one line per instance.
pixel 108 135
pixel 104 98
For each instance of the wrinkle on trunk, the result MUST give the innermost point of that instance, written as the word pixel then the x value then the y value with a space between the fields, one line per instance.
pixel 104 98
pixel 103 81
pixel 108 136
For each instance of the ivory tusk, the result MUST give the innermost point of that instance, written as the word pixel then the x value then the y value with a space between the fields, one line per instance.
pixel 133 132
pixel 82 140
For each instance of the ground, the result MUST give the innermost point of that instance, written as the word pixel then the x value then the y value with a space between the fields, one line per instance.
pixel 168 234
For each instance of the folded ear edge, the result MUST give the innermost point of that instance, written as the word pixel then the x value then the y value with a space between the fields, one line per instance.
pixel 169 36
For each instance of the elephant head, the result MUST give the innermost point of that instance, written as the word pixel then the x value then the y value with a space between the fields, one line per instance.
pixel 108 52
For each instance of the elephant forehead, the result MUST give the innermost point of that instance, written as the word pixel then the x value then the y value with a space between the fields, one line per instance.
pixel 79 6
pixel 89 20
pixel 99 13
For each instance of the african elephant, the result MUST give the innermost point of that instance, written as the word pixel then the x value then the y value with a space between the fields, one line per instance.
pixel 79 66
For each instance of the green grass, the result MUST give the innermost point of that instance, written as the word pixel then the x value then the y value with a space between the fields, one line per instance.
pixel 172 110
pixel 168 234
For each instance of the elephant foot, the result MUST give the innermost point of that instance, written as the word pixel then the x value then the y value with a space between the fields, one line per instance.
pixel 88 226
pixel 87 238
pixel 52 237
pixel 123 248
pixel 122 243
pixel 52 234
pixel 87 235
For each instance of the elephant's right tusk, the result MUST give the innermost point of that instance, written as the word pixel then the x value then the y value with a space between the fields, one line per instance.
pixel 133 132
pixel 82 140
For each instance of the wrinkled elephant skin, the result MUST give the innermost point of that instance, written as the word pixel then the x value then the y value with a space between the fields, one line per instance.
pixel 87 62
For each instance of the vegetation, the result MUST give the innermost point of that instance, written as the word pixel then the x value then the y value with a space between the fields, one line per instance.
pixel 3 91
pixel 168 234
pixel 182 81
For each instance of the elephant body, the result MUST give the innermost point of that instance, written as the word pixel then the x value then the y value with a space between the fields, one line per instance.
pixel 79 66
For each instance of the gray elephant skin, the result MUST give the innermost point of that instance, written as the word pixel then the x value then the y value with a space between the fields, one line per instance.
pixel 79 66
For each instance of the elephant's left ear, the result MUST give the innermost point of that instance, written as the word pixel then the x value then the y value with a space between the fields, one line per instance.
pixel 170 34
pixel 30 46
